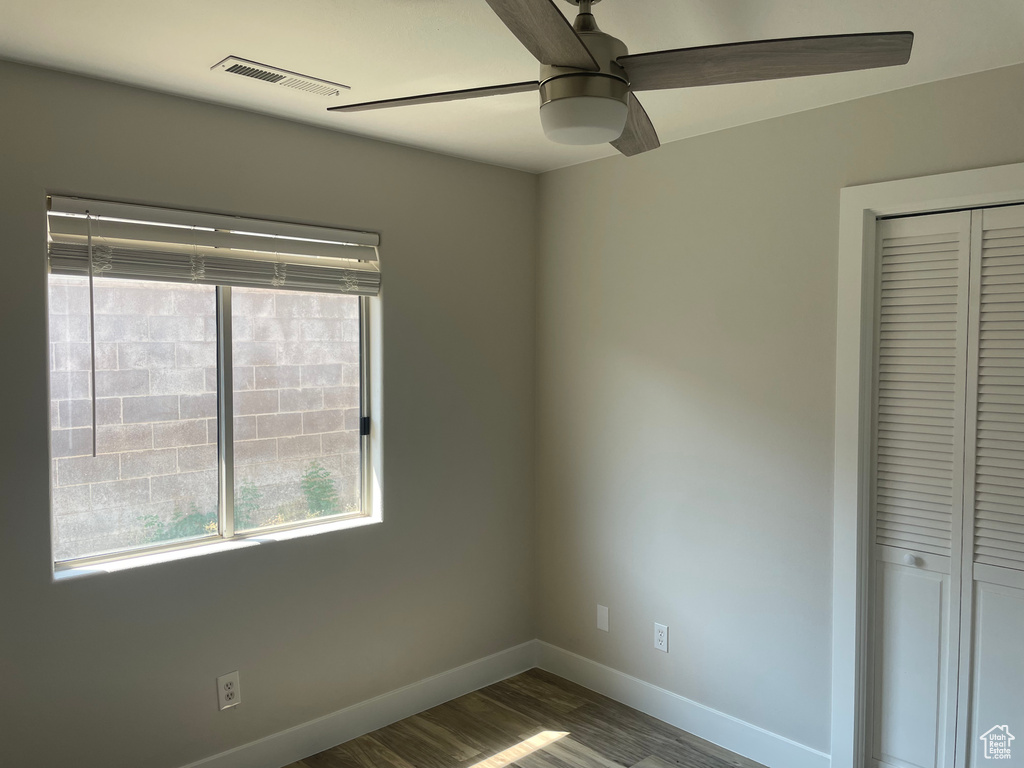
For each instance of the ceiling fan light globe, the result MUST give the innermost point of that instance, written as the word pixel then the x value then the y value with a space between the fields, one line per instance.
pixel 583 120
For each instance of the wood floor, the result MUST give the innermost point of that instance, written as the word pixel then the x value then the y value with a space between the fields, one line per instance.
pixel 533 720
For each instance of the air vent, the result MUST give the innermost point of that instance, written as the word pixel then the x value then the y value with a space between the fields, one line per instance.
pixel 277 76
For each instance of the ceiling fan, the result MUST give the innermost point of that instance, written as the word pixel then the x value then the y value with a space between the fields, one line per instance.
pixel 588 79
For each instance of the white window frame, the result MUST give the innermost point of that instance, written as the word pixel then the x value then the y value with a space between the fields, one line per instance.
pixel 859 209
pixel 371 394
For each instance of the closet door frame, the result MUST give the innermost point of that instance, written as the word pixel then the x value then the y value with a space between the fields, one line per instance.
pixel 860 207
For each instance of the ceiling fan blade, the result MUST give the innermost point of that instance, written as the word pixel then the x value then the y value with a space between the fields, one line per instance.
pixel 434 98
pixel 639 134
pixel 766 60
pixel 545 32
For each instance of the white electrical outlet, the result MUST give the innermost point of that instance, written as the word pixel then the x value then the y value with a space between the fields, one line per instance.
pixel 229 694
pixel 602 617
pixel 661 637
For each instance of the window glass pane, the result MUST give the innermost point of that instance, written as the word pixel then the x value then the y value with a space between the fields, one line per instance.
pixel 296 381
pixel 154 478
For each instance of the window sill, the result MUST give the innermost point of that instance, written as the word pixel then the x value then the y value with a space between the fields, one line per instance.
pixel 64 572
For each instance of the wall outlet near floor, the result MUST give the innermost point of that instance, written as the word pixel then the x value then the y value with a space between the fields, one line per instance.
pixel 602 617
pixel 661 637
pixel 228 693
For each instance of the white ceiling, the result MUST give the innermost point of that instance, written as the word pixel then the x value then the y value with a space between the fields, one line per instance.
pixel 391 48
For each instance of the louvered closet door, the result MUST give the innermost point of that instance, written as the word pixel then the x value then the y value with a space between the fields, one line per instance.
pixel 999 395
pixel 921 359
pixel 917 489
pixel 992 659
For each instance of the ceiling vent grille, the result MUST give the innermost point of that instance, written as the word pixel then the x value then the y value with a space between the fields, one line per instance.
pixel 277 76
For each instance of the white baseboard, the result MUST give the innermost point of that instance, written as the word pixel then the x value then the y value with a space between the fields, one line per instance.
pixel 736 735
pixel 288 746
pixel 306 739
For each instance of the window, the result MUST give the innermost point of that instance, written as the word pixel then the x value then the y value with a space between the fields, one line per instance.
pixel 206 384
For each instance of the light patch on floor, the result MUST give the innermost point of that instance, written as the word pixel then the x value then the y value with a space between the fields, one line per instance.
pixel 522 749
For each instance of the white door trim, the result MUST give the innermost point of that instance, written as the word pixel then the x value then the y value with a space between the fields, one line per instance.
pixel 859 207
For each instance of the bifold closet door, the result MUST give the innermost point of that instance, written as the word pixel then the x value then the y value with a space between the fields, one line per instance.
pixel 917 488
pixel 992 654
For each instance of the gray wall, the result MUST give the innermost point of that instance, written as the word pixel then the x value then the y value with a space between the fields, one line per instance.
pixel 118 669
pixel 686 353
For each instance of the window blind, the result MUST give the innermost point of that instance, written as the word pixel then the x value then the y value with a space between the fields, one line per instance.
pixel 146 243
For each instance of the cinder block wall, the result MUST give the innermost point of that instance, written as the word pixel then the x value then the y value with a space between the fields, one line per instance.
pixel 296 381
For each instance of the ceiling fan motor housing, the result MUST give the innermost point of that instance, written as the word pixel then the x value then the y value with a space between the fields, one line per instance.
pixel 600 97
